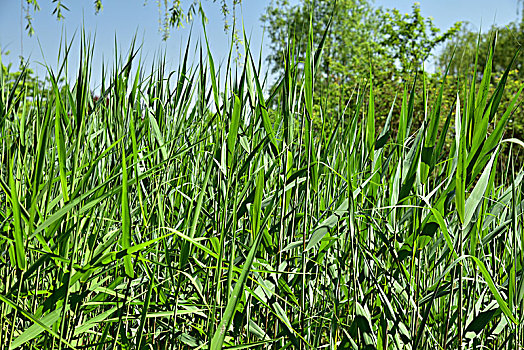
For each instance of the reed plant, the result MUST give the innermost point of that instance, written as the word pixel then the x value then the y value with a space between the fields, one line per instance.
pixel 191 209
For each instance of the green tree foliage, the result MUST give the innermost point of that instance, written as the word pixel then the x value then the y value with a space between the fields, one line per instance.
pixel 465 46
pixel 360 38
pixel 22 81
pixel 410 38
pixel 359 35
pixel 351 39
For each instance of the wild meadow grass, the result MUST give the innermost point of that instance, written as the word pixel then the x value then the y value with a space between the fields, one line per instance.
pixel 184 210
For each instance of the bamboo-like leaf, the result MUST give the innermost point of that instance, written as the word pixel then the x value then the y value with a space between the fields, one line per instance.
pixel 308 72
pixel 36 321
pixel 60 146
pixel 233 130
pixel 126 218
pixel 218 338
pixel 321 230
pixel 477 195
pixel 491 285
pixel 211 62
pixel 370 123
pixel 33 331
pixel 21 259
pixel 460 178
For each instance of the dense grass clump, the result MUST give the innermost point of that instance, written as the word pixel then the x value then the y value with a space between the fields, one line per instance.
pixel 180 211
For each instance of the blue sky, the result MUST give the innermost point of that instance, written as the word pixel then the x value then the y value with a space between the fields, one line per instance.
pixel 124 18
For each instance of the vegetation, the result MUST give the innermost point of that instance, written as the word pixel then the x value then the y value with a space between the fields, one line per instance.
pixel 171 13
pixel 176 211
pixel 509 38
pixel 24 79
pixel 393 46
pixel 360 36
pixel 361 39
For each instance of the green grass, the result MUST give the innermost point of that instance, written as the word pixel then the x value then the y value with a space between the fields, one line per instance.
pixel 181 211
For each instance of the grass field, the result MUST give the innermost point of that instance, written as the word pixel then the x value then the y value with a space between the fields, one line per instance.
pixel 179 210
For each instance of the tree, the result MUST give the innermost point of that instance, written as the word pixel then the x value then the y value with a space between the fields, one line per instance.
pixel 23 89
pixel 359 34
pixel 410 38
pixel 508 40
pixel 350 38
pixel 360 38
pixel 172 13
